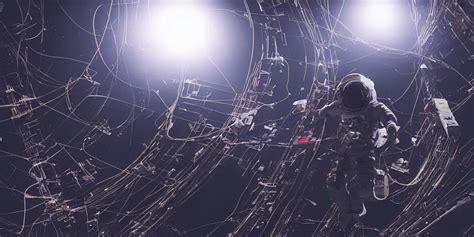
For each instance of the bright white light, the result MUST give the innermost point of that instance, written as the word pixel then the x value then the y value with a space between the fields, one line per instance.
pixel 379 20
pixel 178 30
pixel 380 17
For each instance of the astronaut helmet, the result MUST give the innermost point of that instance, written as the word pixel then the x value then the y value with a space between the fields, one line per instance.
pixel 355 92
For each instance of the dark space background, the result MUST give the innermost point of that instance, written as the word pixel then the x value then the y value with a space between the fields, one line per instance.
pixel 62 52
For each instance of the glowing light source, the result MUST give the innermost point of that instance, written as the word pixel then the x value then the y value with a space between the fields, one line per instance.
pixel 379 20
pixel 380 16
pixel 178 30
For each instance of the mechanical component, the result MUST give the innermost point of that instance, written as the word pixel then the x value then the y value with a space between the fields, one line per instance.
pixel 445 117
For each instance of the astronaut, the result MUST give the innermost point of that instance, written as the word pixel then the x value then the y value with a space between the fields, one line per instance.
pixel 350 182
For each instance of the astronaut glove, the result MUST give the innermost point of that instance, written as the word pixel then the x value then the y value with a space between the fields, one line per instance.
pixel 392 131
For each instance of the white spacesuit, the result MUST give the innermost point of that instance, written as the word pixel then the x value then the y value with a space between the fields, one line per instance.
pixel 351 179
